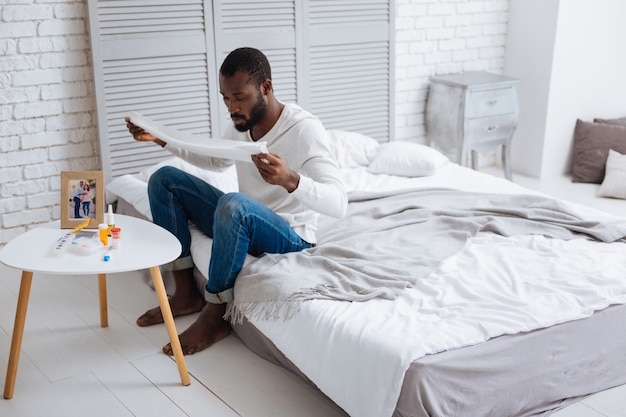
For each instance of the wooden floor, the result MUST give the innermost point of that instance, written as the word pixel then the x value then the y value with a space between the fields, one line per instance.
pixel 70 366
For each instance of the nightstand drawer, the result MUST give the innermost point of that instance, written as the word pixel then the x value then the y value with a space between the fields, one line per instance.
pixel 491 102
pixel 486 129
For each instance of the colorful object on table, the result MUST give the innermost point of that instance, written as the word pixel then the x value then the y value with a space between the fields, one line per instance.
pixel 107 255
pixel 58 249
pixel 110 219
pixel 103 229
pixel 81 226
pixel 116 235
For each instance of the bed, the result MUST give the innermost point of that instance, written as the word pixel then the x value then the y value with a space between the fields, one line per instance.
pixel 443 292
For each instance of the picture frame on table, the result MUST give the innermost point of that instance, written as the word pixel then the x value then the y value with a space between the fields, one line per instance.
pixel 82 197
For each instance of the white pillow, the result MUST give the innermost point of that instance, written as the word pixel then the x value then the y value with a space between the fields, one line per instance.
pixel 406 159
pixel 351 149
pixel 614 183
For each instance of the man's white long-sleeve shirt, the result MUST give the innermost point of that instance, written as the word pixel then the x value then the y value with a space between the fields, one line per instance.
pixel 302 142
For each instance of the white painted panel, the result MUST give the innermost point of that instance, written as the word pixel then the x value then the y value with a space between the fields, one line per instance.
pixel 154 57
pixel 349 61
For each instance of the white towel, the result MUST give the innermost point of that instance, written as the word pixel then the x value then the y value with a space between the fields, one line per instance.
pixel 218 148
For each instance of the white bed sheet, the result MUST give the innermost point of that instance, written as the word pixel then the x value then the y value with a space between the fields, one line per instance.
pixel 330 341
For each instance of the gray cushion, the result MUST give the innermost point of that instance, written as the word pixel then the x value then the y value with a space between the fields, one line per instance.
pixel 592 142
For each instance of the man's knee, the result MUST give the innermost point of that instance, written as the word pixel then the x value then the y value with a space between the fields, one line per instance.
pixel 163 173
pixel 231 206
pixel 162 177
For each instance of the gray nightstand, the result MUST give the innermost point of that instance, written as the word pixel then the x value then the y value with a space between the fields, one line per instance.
pixel 472 111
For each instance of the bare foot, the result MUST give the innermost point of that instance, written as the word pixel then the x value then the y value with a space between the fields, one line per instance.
pixel 209 328
pixel 179 308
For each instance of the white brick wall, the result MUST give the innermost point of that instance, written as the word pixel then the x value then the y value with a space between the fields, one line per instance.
pixel 47 120
pixel 435 37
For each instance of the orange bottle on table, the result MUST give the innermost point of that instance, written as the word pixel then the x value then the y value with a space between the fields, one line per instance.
pixel 104 233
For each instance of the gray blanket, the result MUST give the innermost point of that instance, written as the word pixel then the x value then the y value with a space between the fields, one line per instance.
pixel 387 242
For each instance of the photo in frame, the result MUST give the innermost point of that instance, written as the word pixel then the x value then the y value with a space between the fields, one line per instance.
pixel 82 197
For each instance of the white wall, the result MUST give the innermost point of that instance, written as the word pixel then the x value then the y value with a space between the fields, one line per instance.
pixel 47 119
pixel 531 62
pixel 572 65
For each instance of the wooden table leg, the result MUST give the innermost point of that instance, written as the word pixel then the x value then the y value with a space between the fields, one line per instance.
pixel 168 319
pixel 102 294
pixel 18 332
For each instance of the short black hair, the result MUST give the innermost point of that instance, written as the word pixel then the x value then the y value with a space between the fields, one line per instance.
pixel 250 60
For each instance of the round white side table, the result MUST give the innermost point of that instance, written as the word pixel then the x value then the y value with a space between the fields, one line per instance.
pixel 144 245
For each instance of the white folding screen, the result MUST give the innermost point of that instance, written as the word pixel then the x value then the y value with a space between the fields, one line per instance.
pixel 269 26
pixel 160 58
pixel 349 50
pixel 155 57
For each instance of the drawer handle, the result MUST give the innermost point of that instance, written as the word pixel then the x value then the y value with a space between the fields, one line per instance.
pixel 492 102
pixel 492 128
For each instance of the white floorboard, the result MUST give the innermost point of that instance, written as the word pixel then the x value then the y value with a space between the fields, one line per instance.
pixel 70 366
pixel 195 400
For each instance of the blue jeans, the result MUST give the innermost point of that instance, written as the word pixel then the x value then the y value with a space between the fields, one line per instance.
pixel 238 225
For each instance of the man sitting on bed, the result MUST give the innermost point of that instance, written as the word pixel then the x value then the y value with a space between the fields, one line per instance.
pixel 281 195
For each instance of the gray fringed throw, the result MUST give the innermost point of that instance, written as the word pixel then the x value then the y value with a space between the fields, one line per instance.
pixel 386 243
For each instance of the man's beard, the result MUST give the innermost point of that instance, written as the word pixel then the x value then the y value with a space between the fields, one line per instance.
pixel 258 113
